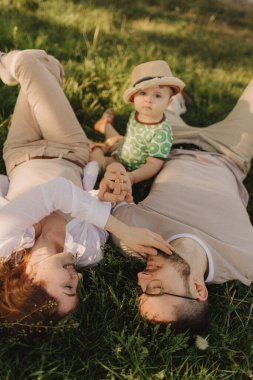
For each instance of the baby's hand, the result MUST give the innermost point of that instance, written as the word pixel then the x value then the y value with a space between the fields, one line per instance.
pixel 92 145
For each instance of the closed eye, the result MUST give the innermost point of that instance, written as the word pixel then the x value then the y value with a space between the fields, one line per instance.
pixel 70 288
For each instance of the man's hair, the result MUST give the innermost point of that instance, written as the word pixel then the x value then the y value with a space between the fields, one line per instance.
pixel 191 315
pixel 22 303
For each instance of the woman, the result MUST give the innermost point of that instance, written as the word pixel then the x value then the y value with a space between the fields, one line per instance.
pixel 48 223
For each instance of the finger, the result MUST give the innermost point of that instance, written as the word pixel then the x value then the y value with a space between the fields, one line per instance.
pixel 111 197
pixel 147 250
pixel 117 188
pixel 118 169
pixel 110 175
pixel 160 239
pixel 128 198
pixel 122 177
pixel 117 183
pixel 101 194
pixel 123 194
pixel 110 184
pixel 102 184
pixel 122 186
pixel 163 246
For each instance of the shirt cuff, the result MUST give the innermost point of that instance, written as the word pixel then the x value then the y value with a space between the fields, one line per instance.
pixel 99 213
pixel 3 201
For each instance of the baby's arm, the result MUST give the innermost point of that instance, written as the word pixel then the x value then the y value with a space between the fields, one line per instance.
pixel 146 171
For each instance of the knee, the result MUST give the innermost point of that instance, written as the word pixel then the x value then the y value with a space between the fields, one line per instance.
pixel 26 58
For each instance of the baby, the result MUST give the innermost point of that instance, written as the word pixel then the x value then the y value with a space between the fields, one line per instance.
pixel 149 136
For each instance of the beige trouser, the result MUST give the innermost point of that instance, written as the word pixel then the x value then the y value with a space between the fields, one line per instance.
pixel 43 122
pixel 232 137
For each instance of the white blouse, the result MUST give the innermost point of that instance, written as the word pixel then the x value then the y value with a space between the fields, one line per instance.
pixel 84 232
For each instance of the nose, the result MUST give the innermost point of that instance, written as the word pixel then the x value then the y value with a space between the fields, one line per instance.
pixel 74 274
pixel 143 280
pixel 77 275
pixel 148 99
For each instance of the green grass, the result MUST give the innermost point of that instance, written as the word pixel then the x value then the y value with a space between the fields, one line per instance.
pixel 209 45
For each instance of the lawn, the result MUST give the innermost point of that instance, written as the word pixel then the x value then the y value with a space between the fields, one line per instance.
pixel 209 45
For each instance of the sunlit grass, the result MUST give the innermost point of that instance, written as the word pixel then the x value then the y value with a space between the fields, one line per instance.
pixel 209 45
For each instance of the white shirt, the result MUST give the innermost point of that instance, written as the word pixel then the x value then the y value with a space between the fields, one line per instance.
pixel 84 233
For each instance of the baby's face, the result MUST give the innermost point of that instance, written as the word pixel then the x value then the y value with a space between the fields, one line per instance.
pixel 151 103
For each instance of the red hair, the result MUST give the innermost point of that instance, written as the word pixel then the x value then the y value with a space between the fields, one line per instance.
pixel 21 301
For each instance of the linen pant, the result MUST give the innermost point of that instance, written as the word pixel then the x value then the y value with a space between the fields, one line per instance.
pixel 232 137
pixel 43 122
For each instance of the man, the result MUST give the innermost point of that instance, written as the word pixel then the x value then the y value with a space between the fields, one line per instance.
pixel 197 203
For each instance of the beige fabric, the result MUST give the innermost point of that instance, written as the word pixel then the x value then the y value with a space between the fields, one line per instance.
pixel 202 193
pixel 34 172
pixel 43 122
pixel 232 137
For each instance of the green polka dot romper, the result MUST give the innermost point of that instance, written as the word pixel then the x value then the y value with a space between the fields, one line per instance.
pixel 143 141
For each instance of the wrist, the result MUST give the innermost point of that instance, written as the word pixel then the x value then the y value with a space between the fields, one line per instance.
pixel 131 176
pixel 116 167
pixel 117 228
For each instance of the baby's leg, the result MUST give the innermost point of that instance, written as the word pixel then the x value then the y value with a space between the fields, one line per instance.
pixel 105 122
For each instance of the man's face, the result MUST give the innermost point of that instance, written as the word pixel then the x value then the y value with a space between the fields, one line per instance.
pixel 173 273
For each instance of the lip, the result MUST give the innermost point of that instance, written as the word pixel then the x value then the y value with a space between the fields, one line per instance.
pixel 69 266
pixel 150 266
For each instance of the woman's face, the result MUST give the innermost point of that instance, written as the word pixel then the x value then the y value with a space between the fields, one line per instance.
pixel 56 273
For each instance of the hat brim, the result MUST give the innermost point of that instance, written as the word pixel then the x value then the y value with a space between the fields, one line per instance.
pixel 176 84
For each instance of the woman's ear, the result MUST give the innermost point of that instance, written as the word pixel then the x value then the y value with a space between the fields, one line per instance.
pixel 200 289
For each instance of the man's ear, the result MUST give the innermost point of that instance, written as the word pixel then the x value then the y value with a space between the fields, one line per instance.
pixel 201 290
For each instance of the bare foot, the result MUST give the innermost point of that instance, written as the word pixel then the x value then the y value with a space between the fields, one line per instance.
pixel 107 118
pixel 113 142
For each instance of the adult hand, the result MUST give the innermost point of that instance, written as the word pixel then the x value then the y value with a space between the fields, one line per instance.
pixel 108 195
pixel 115 186
pixel 145 241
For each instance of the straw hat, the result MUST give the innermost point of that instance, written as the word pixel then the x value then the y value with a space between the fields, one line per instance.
pixel 152 74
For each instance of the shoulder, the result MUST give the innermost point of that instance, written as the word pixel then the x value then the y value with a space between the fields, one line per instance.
pixel 132 116
pixel 165 125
